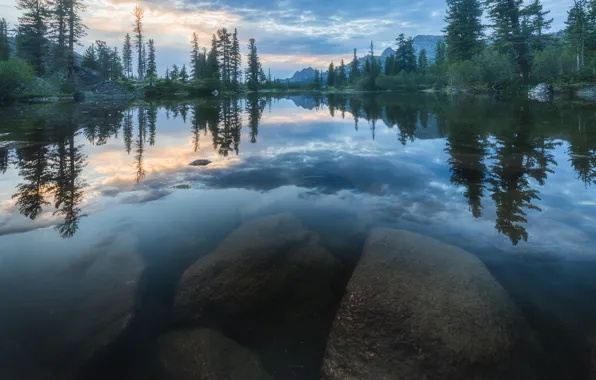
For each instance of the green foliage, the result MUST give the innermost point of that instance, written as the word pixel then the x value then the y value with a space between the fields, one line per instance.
pixel 151 65
pixel 4 45
pixel 464 74
pixel 127 56
pixel 331 75
pixel 354 68
pixel 489 70
pixel 254 66
pixel 463 32
pixel 32 30
pixel 15 76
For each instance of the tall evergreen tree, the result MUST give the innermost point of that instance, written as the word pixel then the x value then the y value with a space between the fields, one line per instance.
pixel 506 18
pixel 32 33
pixel 463 32
pixel 534 25
pixel 317 79
pixel 183 75
pixel 151 65
pixel 90 58
pixel 440 52
pixel 138 14
pixel 117 70
pixel 236 59
pixel 59 32
pixel 341 79
pixel 212 66
pixel 76 30
pixel 195 65
pixel 405 55
pixel 224 48
pixel 331 75
pixel 354 68
pixel 422 61
pixel 254 66
pixel 127 56
pixel 4 44
pixel 578 30
pixel 175 73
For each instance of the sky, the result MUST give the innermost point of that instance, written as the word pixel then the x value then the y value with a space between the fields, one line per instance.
pixel 290 34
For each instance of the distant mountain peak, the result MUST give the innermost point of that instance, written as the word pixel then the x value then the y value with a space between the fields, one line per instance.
pixel 387 52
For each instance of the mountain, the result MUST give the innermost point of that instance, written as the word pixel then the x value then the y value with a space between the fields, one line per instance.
pixel 303 76
pixel 429 43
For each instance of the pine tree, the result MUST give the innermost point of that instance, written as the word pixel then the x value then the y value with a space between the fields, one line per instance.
pixel 151 65
pixel 183 74
pixel 317 79
pixel 422 61
pixel 224 48
pixel 341 79
pixel 4 44
pixel 254 66
pixel 76 30
pixel 90 58
pixel 59 31
pixel 507 31
pixel 195 64
pixel 138 14
pixel 405 56
pixel 578 30
pixel 463 32
pixel 534 24
pixel 117 70
pixel 174 74
pixel 32 32
pixel 212 67
pixel 127 56
pixel 354 68
pixel 440 53
pixel 236 60
pixel 390 65
pixel 331 75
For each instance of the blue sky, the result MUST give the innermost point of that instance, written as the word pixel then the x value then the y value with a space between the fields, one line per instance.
pixel 290 34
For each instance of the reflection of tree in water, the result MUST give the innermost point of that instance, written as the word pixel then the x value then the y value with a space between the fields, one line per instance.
pixel 140 144
pixel 127 130
pixel 52 165
pixel 254 108
pixel 467 149
pixel 3 160
pixel 32 161
pixel 152 121
pixel 102 125
pixel 514 158
pixel 582 151
pixel 372 113
pixel 355 106
pixel 68 163
pixel 405 118
pixel 198 123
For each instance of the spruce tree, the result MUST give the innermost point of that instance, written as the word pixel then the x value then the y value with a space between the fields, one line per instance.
pixel 90 58
pixel 341 79
pixel 183 74
pixel 195 64
pixel 76 30
pixel 254 66
pixel 440 52
pixel 117 70
pixel 354 68
pixel 236 60
pixel 174 74
pixel 212 66
pixel 463 32
pixel 422 61
pixel 127 56
pixel 317 79
pixel 138 14
pixel 32 33
pixel 59 31
pixel 4 44
pixel 331 75
pixel 578 30
pixel 224 48
pixel 506 17
pixel 151 65
pixel 535 23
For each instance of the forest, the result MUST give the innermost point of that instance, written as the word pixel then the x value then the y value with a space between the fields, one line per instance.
pixel 513 51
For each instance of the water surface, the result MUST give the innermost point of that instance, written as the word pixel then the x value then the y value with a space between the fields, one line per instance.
pixel 81 184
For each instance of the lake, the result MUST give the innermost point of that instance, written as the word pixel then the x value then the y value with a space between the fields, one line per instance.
pixel 304 219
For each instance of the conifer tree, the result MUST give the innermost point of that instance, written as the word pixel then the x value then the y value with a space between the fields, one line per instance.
pixel 195 64
pixel 422 61
pixel 254 66
pixel 90 58
pixel 32 33
pixel 331 75
pixel 4 44
pixel 463 32
pixel 341 79
pixel 354 68
pixel 138 14
pixel 578 30
pixel 440 52
pixel 59 31
pixel 236 59
pixel 183 74
pixel 174 74
pixel 535 23
pixel 151 65
pixel 212 66
pixel 76 30
pixel 127 56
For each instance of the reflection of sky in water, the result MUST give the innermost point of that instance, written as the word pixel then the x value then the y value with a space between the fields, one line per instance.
pixel 303 160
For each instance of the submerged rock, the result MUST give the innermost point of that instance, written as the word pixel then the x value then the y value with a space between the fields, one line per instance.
pixel 542 92
pixel 204 354
pixel 416 308
pixel 270 281
pixel 200 163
